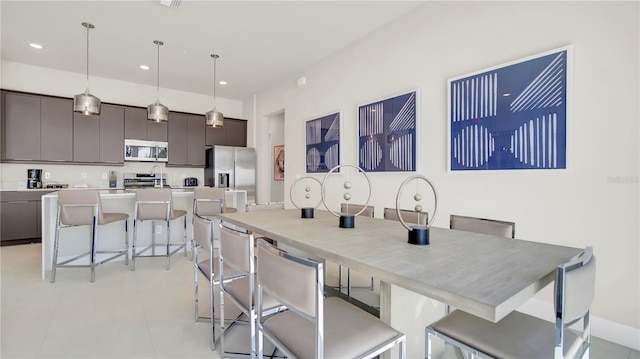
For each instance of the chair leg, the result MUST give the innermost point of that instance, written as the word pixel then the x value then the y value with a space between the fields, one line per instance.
pixel 94 235
pixel 402 349
pixel 195 288
pixel 222 319
pixel 56 241
pixel 427 344
pixel 212 307
pixel 133 245
pixel 168 244
pixel 126 241
pixel 184 235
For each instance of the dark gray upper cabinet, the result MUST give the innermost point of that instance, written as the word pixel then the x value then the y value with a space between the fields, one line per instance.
pixel 178 138
pixel 235 132
pixel 56 125
pixel 21 127
pixel 86 138
pixel 135 123
pixel 137 127
pixel 196 140
pixel 214 136
pixel 186 140
pixel 112 134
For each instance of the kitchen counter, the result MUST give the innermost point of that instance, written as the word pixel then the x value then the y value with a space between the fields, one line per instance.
pixel 110 236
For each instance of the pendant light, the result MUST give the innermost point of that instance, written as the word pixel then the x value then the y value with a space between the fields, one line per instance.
pixel 213 117
pixel 158 112
pixel 85 103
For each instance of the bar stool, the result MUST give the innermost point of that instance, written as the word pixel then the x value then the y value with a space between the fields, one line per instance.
pixel 208 202
pixel 83 208
pixel 157 205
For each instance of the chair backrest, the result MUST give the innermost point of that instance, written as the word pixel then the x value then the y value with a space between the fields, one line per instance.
pixel 574 292
pixel 237 250
pixel 77 207
pixel 208 201
pixel 161 208
pixel 292 280
pixel 483 225
pixel 355 208
pixel 575 286
pixel 413 217
pixel 203 232
pixel 265 206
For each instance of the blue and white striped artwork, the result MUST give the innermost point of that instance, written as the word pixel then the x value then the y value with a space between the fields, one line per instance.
pixel 386 134
pixel 511 117
pixel 323 143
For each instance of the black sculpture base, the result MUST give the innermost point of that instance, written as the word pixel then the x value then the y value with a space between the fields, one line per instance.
pixel 347 221
pixel 306 212
pixel 419 235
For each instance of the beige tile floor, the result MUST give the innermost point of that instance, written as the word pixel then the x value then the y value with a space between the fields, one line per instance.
pixel 147 313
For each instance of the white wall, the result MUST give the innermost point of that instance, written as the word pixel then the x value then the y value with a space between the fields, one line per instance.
pixel 21 77
pixel 594 202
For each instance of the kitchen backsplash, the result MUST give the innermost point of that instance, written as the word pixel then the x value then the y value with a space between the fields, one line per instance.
pixel 14 175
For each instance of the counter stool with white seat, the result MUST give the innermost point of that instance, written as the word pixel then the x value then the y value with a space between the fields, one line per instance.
pixel 83 208
pixel 157 205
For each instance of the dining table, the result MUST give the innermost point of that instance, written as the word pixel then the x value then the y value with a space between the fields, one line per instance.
pixel 486 275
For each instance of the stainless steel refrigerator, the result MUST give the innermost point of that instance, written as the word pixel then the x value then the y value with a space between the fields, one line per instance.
pixel 232 167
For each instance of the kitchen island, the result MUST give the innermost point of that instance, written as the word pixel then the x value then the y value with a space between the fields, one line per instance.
pixel 77 239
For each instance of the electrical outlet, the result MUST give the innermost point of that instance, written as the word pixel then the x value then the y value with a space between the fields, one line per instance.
pixel 158 229
pixel 83 175
pixel 104 176
pixel 47 175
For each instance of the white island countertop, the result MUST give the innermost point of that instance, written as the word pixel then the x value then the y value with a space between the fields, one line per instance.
pixel 110 236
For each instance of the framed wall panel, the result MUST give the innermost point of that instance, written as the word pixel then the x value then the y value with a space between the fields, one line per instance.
pixel 512 116
pixel 323 143
pixel 387 134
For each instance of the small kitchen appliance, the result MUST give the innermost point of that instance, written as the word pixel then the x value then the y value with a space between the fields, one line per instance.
pixel 34 178
pixel 190 182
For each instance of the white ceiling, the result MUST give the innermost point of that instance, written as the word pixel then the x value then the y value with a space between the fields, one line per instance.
pixel 259 42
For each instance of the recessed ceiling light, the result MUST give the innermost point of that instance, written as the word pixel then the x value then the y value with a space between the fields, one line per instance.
pixel 222 83
pixel 144 67
pixel 36 46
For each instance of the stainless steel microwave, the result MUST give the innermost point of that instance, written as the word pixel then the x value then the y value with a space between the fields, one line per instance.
pixel 146 151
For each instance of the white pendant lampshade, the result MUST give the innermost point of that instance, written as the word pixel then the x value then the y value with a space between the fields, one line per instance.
pixel 85 103
pixel 156 111
pixel 214 118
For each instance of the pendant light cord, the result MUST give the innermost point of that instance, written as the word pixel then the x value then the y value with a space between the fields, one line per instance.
pixel 158 76
pixel 214 81
pixel 87 91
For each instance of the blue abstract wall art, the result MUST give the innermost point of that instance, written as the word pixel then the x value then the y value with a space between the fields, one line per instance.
pixel 387 134
pixel 512 117
pixel 323 143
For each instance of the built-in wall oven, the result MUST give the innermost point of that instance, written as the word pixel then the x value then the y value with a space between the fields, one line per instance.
pixel 146 151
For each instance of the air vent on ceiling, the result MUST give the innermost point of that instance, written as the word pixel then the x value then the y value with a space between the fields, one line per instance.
pixel 171 3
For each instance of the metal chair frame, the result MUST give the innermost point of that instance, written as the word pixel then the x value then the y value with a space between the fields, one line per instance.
pixel 317 319
pixel 94 238
pixel 153 244
pixel 560 326
pixel 358 208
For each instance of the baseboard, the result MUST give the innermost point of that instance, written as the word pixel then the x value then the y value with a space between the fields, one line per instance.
pixel 602 328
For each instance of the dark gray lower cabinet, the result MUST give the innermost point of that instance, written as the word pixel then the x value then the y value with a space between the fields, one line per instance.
pixel 20 215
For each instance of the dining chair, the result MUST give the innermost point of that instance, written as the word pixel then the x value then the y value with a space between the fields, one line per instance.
pixel 314 326
pixel 413 217
pixel 483 225
pixel 237 253
pixel 157 205
pixel 207 265
pixel 84 208
pixel 367 211
pixel 209 202
pixel 519 335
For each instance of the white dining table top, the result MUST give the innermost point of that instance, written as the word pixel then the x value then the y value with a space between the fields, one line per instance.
pixel 485 275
